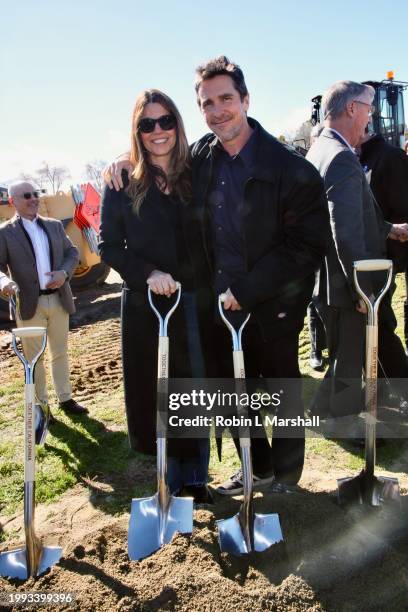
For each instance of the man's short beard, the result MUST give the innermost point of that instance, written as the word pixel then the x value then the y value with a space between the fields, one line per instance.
pixel 230 135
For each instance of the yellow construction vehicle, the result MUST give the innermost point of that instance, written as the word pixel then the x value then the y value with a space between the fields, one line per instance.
pixel 388 118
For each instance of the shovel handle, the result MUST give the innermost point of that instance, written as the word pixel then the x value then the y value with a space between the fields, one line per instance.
pixel 372 265
pixel 239 364
pixel 28 332
pixel 29 433
pixel 372 303
pixel 236 334
pixel 164 322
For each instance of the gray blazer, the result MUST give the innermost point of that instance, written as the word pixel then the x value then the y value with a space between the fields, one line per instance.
pixel 17 260
pixel 358 227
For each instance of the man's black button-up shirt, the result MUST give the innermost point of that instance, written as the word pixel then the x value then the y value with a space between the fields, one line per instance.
pixel 226 203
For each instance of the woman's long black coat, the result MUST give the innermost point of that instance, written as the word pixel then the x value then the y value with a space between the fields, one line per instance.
pixel 134 244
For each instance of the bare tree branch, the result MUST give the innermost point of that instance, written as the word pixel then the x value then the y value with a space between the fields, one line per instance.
pixel 93 173
pixel 54 176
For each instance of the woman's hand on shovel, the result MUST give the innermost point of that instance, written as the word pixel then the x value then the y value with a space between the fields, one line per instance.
pixel 162 283
pixel 230 303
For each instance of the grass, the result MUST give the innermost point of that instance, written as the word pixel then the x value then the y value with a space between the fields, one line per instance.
pixel 94 450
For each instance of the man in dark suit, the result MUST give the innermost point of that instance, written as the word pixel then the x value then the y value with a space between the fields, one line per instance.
pixel 386 169
pixel 358 232
pixel 37 256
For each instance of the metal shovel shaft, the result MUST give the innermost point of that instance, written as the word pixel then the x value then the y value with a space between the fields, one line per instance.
pixel 163 496
pixel 366 487
pixel 246 531
pixel 371 356
pixel 34 559
pixel 154 520
pixel 371 397
pixel 246 512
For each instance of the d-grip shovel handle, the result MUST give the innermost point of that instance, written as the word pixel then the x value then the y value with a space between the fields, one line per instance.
pixel 29 332
pixel 239 364
pixel 236 335
pixel 372 265
pixel 164 322
pixel 29 391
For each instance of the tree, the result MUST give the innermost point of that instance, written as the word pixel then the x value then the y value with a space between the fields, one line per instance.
pixel 54 176
pixel 93 172
pixel 303 134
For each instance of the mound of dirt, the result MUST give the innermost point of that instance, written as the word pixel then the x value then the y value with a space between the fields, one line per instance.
pixel 332 560
pixel 187 574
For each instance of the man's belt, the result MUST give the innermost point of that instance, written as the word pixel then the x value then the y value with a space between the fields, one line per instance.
pixel 47 291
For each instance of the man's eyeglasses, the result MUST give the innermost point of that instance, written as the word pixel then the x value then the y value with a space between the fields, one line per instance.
pixel 166 122
pixel 371 107
pixel 27 195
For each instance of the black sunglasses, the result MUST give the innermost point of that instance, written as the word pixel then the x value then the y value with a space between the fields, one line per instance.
pixel 166 122
pixel 30 194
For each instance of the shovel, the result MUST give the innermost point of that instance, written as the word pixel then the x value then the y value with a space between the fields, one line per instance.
pixel 366 488
pixel 42 409
pixel 154 520
pixel 246 531
pixel 34 559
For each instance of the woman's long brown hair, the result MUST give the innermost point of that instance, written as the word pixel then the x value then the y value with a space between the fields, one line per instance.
pixel 177 180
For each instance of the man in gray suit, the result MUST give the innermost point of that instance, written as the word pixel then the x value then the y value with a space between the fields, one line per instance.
pixel 37 256
pixel 358 232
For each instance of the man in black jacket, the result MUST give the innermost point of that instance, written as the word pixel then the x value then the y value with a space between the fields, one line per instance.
pixel 386 170
pixel 264 219
pixel 260 214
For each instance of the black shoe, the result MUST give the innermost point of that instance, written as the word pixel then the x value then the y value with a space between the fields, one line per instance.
pixel 316 361
pixel 235 485
pixel 200 493
pixel 51 419
pixel 72 407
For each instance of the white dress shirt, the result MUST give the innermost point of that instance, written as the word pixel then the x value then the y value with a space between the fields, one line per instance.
pixel 41 248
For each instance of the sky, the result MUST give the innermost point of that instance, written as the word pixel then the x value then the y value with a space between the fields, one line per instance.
pixel 71 71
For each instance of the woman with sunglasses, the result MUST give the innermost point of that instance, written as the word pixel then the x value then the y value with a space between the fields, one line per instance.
pixel 142 237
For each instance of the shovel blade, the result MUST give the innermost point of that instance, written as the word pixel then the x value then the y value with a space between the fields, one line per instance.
pixel 267 531
pixel 145 535
pixel 13 563
pixel 363 490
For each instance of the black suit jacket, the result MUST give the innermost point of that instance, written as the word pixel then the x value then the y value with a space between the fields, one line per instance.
pixel 386 169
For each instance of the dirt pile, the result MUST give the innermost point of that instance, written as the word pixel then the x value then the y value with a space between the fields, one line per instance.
pixel 332 560
pixel 188 574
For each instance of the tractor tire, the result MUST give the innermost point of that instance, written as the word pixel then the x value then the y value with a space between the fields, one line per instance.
pixel 84 278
